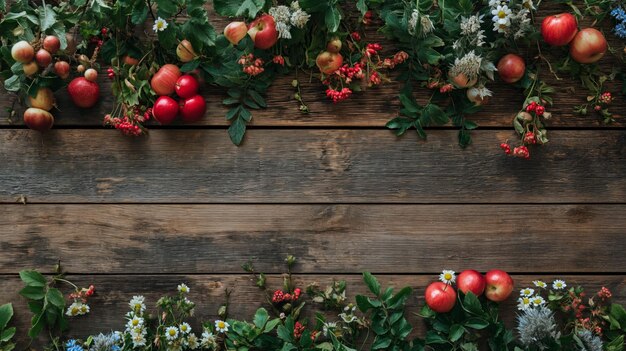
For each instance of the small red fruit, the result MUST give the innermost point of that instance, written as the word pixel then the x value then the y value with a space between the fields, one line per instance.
pixel 62 69
pixel 164 81
pixel 559 30
pixel 334 45
pixel 38 119
pixel 440 297
pixel 91 75
pixel 185 51
pixel 43 58
pixel 30 68
pixel 511 68
pixel 193 109
pixel 22 52
pixel 187 86
pixel 165 109
pixel 235 31
pixel 328 62
pixel 52 44
pixel 131 61
pixel 83 93
pixel 499 285
pixel 471 280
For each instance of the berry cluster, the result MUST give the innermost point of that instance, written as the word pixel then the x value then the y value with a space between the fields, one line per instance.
pixel 111 73
pixel 279 60
pixel 368 18
pixel 83 293
pixel 337 96
pixel 280 296
pixel 129 124
pixel 251 66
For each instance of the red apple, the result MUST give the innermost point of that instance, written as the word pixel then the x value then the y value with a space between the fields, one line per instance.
pixel 164 81
pixel 62 69
pixel 588 46
pixel 499 285
pixel 328 62
pixel 38 119
pixel 22 52
pixel 165 109
pixel 193 109
pixel 471 280
pixel 462 81
pixel 43 58
pixel 52 44
pixel 440 297
pixel 511 68
pixel 186 86
pixel 83 93
pixel 263 32
pixel 235 31
pixel 185 51
pixel 559 30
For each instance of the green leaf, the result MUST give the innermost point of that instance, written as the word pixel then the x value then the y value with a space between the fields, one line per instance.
pixel 381 343
pixel 361 6
pixel 476 323
pixel 435 115
pixel 12 84
pixel 37 323
pixel 238 8
pixel 33 278
pixel 33 292
pixel 6 313
pixel 363 303
pixel 7 334
pixel 139 13
pixel 47 17
pixel 456 332
pixel 261 317
pixel 433 338
pixel 400 298
pixel 55 297
pixel 332 18
pixel 284 333
pixel 472 305
pixel 257 98
pixel 372 283
pixel 166 8
pixel 237 130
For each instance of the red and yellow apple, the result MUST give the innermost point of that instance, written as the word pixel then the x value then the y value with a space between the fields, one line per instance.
pixel 471 280
pixel 263 32
pixel 511 68
pixel 235 31
pixel 559 30
pixel 328 62
pixel 588 46
pixel 440 297
pixel 499 285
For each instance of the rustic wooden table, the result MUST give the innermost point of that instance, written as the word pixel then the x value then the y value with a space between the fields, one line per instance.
pixel 334 188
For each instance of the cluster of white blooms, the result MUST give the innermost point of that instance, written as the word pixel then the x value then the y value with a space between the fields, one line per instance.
pixel 136 324
pixel 426 25
pixel 77 308
pixel 286 17
pixel 469 65
pixel 530 298
pixel 511 19
pixel 471 33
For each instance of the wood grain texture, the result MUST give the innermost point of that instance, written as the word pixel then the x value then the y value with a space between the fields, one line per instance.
pixel 307 166
pixel 110 303
pixel 325 238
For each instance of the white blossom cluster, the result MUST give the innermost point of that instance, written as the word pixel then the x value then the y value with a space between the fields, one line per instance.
pixel 511 20
pixel 471 33
pixel 286 17
pixel 426 25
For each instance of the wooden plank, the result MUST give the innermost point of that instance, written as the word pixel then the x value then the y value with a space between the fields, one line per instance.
pixel 307 166
pixel 109 304
pixel 172 239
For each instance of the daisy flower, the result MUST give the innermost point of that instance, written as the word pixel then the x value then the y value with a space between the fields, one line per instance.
pixel 558 285
pixel 171 333
pixel 447 276
pixel 159 25
pixel 138 339
pixel 538 301
pixel 501 18
pixel 523 303
pixel 540 284
pixel 137 304
pixel 208 340
pixel 184 328
pixel 183 288
pixel 134 323
pixel 192 341
pixel 221 326
pixel 77 308
pixel 527 292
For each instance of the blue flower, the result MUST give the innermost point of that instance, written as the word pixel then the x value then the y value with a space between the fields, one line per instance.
pixel 619 14
pixel 71 345
pixel 620 30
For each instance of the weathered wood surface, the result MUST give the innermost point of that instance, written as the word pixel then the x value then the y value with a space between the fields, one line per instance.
pixel 330 239
pixel 292 166
pixel 110 303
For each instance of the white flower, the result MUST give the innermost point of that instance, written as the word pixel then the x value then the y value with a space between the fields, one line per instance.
pixel 280 13
pixel 192 341
pixel 528 4
pixel 208 340
pixel 447 276
pixel 134 323
pixel 539 284
pixel 482 91
pixel 77 308
pixel 471 24
pixel 295 5
pixel 330 326
pixel 501 18
pixel 221 326
pixel 494 3
pixel 159 25
pixel 171 333
pixel 527 292
pixel 537 300
pixel 415 15
pixel 138 339
pixel 558 284
pixel 183 288
pixel 524 303
pixel 427 25
pixel 469 65
pixel 299 18
pixel 137 304
pixel 185 328
pixel 283 30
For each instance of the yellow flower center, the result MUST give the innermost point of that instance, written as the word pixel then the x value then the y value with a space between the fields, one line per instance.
pixel 501 14
pixel 447 276
pixel 526 300
pixel 135 322
pixel 75 310
pixel 172 332
pixel 183 328
pixel 137 306
pixel 221 325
